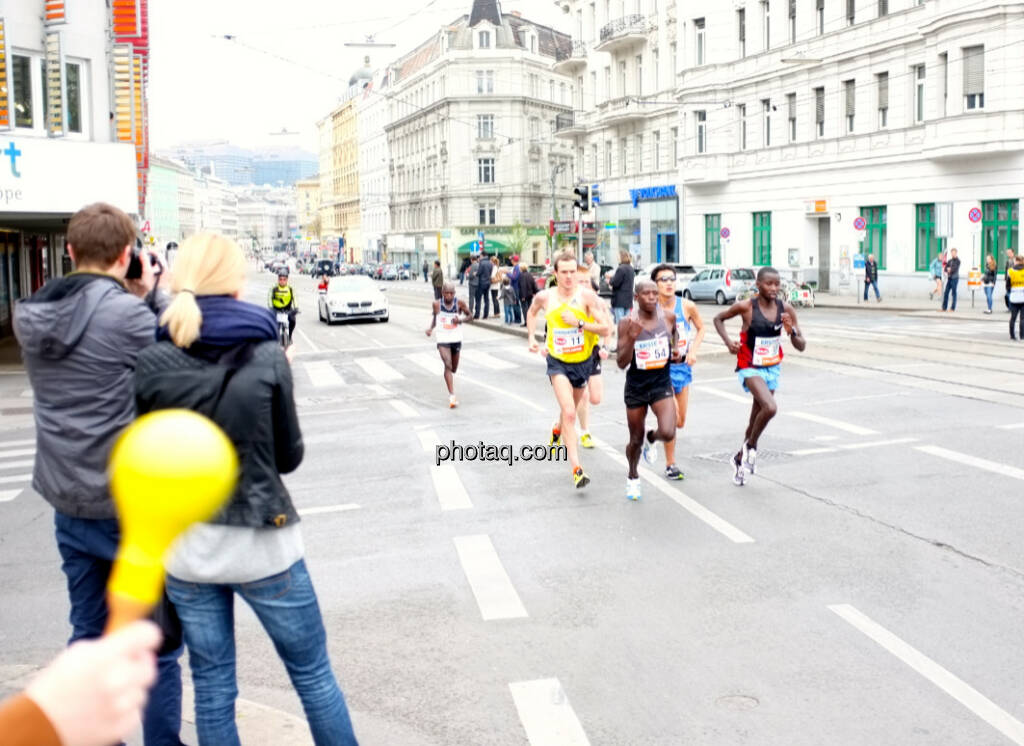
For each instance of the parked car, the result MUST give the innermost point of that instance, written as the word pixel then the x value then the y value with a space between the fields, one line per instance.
pixel 322 267
pixel 352 297
pixel 403 273
pixel 390 272
pixel 719 284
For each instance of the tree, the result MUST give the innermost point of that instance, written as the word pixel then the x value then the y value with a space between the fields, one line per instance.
pixel 518 238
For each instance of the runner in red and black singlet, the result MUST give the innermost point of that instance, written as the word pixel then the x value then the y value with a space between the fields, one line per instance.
pixel 758 358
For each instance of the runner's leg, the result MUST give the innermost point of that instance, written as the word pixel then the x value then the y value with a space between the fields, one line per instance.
pixel 763 411
pixel 449 368
pixel 635 418
pixel 665 412
pixel 682 400
pixel 568 398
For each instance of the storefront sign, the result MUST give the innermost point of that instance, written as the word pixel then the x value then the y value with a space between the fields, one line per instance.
pixel 656 192
pixel 50 176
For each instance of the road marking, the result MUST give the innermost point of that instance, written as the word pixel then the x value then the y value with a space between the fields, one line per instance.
pixel 328 509
pixel 16 478
pixel 978 463
pixel 27 394
pixel 364 335
pixel 854 398
pixel 8 495
pixel 487 360
pixel 1014 426
pixel 851 446
pixel 812 451
pixel 321 373
pixel 18 452
pixel 837 424
pixel 546 714
pixel 374 388
pixel 378 369
pixel 505 394
pixel 429 440
pixel 952 685
pixel 450 492
pixel 26 442
pixel 492 587
pixel 429 363
pixel 725 394
pixel 824 438
pixel 308 341
pixel 16 465
pixel 687 503
pixel 522 352
pixel 404 409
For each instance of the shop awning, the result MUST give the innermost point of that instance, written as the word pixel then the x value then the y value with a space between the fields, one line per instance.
pixel 490 246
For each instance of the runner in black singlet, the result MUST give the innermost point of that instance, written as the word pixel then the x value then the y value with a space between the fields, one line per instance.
pixel 759 358
pixel 452 315
pixel 647 344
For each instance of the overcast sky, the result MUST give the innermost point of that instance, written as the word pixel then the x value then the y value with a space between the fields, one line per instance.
pixel 203 87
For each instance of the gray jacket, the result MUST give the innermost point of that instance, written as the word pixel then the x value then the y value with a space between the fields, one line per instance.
pixel 80 336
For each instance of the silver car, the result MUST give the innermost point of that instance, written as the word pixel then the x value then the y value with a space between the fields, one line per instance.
pixel 719 284
pixel 352 297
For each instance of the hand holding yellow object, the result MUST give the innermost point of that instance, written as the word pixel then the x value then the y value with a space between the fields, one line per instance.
pixel 168 470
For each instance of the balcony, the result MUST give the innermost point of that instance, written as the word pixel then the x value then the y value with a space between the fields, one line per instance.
pixel 974 134
pixel 623 33
pixel 620 110
pixel 569 60
pixel 706 169
pixel 572 124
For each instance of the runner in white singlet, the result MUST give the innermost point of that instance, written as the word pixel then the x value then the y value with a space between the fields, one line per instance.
pixel 449 316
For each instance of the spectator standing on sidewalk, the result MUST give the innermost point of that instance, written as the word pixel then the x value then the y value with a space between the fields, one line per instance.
pixel 622 288
pixel 513 276
pixel 497 274
pixel 935 270
pixel 484 270
pixel 462 273
pixel 472 279
pixel 527 289
pixel 426 269
pixel 508 299
pixel 988 281
pixel 871 277
pixel 1010 259
pixel 952 279
pixel 81 336
pixel 593 271
pixel 437 279
pixel 1016 279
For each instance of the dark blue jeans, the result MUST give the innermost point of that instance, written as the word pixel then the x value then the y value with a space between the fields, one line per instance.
pixel 287 608
pixel 871 284
pixel 951 284
pixel 88 548
pixel 483 301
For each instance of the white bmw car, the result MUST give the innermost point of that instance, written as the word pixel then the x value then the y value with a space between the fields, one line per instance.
pixel 352 297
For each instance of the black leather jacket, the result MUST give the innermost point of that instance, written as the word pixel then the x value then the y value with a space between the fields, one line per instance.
pixel 248 392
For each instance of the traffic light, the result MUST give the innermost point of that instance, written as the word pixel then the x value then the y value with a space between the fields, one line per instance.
pixel 582 200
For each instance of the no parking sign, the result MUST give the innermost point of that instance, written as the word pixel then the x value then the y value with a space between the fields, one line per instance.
pixel 860 223
pixel 725 233
pixel 975 215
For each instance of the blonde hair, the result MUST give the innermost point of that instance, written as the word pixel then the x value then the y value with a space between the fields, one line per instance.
pixel 207 264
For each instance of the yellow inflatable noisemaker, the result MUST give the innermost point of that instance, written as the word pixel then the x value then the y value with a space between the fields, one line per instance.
pixel 168 470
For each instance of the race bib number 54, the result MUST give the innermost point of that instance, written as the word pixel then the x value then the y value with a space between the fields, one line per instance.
pixel 651 354
pixel 767 351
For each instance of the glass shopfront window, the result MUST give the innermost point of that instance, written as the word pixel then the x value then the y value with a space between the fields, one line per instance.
pixel 648 231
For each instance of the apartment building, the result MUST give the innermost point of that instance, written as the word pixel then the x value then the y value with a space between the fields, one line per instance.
pixel 374 179
pixel 816 130
pixel 340 219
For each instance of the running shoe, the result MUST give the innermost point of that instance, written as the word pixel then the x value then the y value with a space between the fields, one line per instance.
pixel 633 489
pixel 586 441
pixel 749 458
pixel 650 451
pixel 672 472
pixel 740 475
pixel 579 479
pixel 452 402
pixel 556 437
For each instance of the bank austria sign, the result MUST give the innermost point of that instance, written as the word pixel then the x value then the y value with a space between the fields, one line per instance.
pixel 655 192
pixel 40 175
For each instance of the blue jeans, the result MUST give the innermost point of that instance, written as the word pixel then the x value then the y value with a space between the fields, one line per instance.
pixel 989 290
pixel 287 608
pixel 618 314
pixel 482 300
pixel 951 284
pixel 873 284
pixel 510 317
pixel 87 548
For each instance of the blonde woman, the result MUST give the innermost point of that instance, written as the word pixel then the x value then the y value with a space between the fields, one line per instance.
pixel 219 356
pixel 988 281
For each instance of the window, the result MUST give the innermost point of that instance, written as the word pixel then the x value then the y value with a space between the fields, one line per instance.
pixel 484 38
pixel 485 170
pixel 919 93
pixel 607 157
pixel 974 77
pixel 944 81
pixel 551 91
pixel 593 160
pixel 657 150
pixel 607 82
pixel 882 80
pixel 927 245
pixel 21 78
pixel 622 78
pixel 851 12
pixel 534 85
pixel 792 21
pixel 874 241
pixel 488 214
pixel 766 112
pixel 820 15
pixel 883 10
pixel 561 93
pixel 622 156
pixel 485 126
pixel 850 91
pixel 762 238
pixel 638 154
pixel 675 62
pixel 791 105
pixel 534 128
pixel 485 81
pixel 819 112
pixel 639 75
pixel 698 26
pixel 741 114
pixel 675 147
pixel 741 26
pixel 657 70
pixel 766 25
pixel 701 118
pixel 999 229
pixel 713 239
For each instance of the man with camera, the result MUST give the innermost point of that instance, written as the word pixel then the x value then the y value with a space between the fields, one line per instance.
pixel 80 336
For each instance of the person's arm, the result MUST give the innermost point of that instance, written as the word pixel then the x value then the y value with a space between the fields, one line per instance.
pixel 538 304
pixel 629 328
pixel 435 308
pixel 736 309
pixel 467 316
pixel 288 447
pixel 618 278
pixel 673 351
pixel 691 312
pixel 599 325
pixel 789 323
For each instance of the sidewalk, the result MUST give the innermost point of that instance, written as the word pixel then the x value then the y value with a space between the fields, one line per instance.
pixel 912 306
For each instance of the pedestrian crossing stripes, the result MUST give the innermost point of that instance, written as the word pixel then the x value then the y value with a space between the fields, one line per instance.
pixel 321 374
pixel 17 478
pixel 8 495
pixel 487 360
pixel 378 369
pixel 12 484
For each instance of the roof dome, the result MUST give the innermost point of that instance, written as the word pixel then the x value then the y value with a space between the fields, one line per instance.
pixel 363 75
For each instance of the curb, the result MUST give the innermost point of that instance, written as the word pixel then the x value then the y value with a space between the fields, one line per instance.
pixel 967 314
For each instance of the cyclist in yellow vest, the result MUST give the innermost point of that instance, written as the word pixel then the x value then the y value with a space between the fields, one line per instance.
pixel 1015 281
pixel 282 298
pixel 575 322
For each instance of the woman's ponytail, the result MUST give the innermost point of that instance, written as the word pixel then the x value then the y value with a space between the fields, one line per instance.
pixel 183 319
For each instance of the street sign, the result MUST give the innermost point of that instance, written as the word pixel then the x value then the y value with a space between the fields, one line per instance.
pixel 860 223
pixel 595 194
pixel 974 215
pixel 858 261
pixel 725 233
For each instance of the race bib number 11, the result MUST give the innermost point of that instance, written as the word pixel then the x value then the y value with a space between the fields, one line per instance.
pixel 567 341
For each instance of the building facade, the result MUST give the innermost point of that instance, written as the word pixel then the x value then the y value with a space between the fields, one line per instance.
pixel 374 179
pixel 471 115
pixel 307 207
pixel 339 177
pixel 60 77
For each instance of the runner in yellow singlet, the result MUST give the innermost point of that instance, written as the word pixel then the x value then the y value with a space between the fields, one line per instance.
pixel 575 321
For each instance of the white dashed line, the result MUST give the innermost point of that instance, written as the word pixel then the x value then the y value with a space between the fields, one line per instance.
pixel 978 463
pixel 404 409
pixel 8 495
pixel 328 509
pixel 829 422
pixel 378 370
pixel 546 714
pixel 451 494
pixel 492 587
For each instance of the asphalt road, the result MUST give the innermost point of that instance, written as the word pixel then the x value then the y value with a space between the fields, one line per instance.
pixel 865 587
